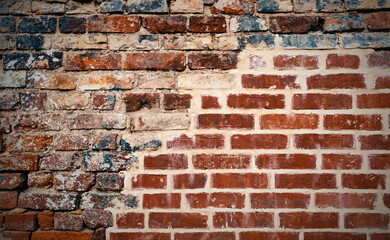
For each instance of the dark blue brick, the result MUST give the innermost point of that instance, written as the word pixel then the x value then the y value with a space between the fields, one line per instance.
pixel 38 25
pixel 7 24
pixel 250 24
pixel 72 25
pixel 147 6
pixel 365 40
pixel 115 6
pixel 258 41
pixel 330 5
pixel 29 42
pixel 25 61
pixel 271 6
pixel 313 41
pixel 111 162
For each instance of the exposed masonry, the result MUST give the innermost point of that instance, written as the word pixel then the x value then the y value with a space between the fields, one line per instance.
pixel 192 119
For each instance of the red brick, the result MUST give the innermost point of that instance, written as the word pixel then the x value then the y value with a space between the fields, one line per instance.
pixel 243 220
pixel 379 59
pixel 293 24
pixel 334 235
pixel 353 122
pixel 47 199
pixel 20 221
pixel 155 61
pixel 61 235
pixel 216 200
pixel 210 102
pixel 279 200
pixel 220 161
pixel 256 101
pixel 200 141
pixel 321 101
pixel 39 122
pixel 323 141
pixel 382 82
pixel 292 121
pixel 286 161
pixel 104 101
pixel 226 121
pixel 206 235
pixel 161 200
pixel 9 200
pixel 345 200
pixel 233 7
pixel 48 80
pixel 203 24
pixel 363 181
pixel 378 21
pixel 306 181
pixel 222 61
pixel 266 81
pixel 337 61
pixel 239 180
pixel 148 181
pixel 130 220
pixel 46 221
pixel 380 236
pixel 334 81
pixel 379 100
pixel 19 162
pixel 40 179
pixel 114 24
pixel 189 181
pixel 379 161
pixel 386 200
pixel 177 101
pixel 11 235
pixel 371 142
pixel 29 143
pixel 137 101
pixel 10 181
pixel 166 161
pixel 110 181
pixel 259 141
pixel 68 142
pixel 92 61
pixel 99 234
pixel 366 220
pixel 73 181
pixel 139 235
pixel 308 220
pixel 164 24
pixel 67 221
pixel 287 62
pixel 104 142
pixel 270 235
pixel 59 161
pixel 341 161
pixel 177 220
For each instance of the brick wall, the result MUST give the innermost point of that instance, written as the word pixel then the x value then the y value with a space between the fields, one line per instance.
pixel 192 119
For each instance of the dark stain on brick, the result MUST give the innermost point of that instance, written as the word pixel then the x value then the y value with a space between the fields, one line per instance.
pixel 38 25
pixel 268 39
pixel 151 145
pixel 72 24
pixel 25 61
pixel 7 24
pixel 150 6
pixel 29 42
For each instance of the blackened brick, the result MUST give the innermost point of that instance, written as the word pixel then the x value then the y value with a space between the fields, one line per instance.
pixel 72 24
pixel 38 25
pixel 29 42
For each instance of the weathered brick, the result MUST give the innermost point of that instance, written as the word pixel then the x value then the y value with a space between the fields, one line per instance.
pixel 111 162
pixel 187 42
pixel 285 161
pixel 379 100
pixel 69 142
pixel 9 101
pixel 220 161
pixel 255 101
pixel 343 23
pixel 330 5
pixel 379 59
pixel 341 161
pixel 102 81
pixel 104 101
pixel 366 220
pixel 287 62
pixel 9 200
pixel 46 220
pixel 137 101
pixel 115 6
pixel 49 80
pixel 309 220
pixel 48 200
pixel 356 122
pixel 279 200
pixel 216 200
pixel 90 41
pixel 104 142
pixel 161 200
pixel 38 122
pixel 25 61
pixel 382 82
pixel 155 61
pixel 334 81
pixel 97 121
pixel 223 61
pixel 256 61
pixel 164 24
pixel 239 180
pixel 16 235
pixel 29 143
pixel 293 121
pixel 40 180
pixel 97 218
pixel 40 7
pixel 114 24
pixel 29 42
pixel 60 161
pixel 321 101
pixel 147 6
pixel 20 221
pixel 38 25
pixel 206 81
pixel 165 161
pixel 149 181
pixel 32 101
pixel 248 24
pixel 7 42
pixel 10 181
pixel 67 221
pixel 365 4
pixel 379 161
pixel 90 200
pixel 177 101
pixel 379 236
pixel 177 220
pixel 141 141
pixel 363 181
pixel 306 181
pixel 201 24
pixel 272 6
pixel 133 42
pixel 345 200
pixel 205 235
pixel 160 121
pixel 127 220
pixel 77 7
pixel 7 24
pixel 68 24
pixel 294 24
pixel 225 121
pixel 75 181
pixel 5 124
pixel 258 41
pixel 19 162
pixel 309 41
pixel 189 181
pixel 186 6
pixel 110 181
pixel 243 220
pixel 233 7
pixel 334 235
pixel 157 81
pixel 378 21
pixel 199 141
pixel 336 61
pixel 365 40
pixel 304 5
pixel 63 235
pixel 92 61
pixel 210 102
